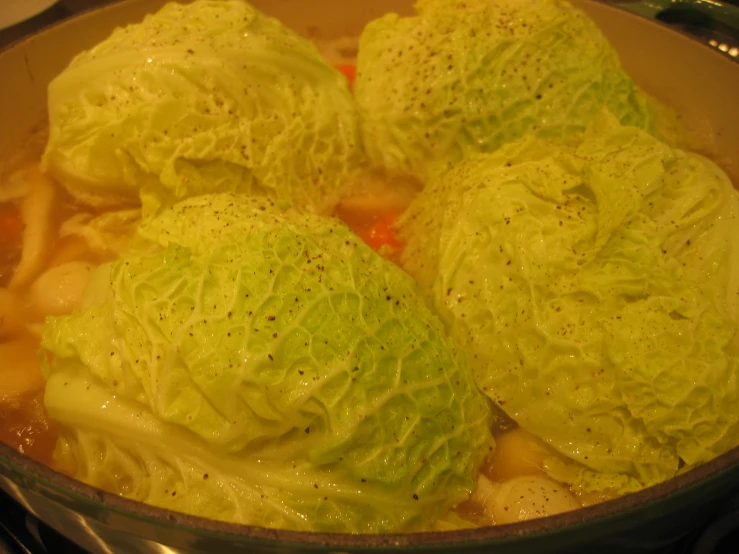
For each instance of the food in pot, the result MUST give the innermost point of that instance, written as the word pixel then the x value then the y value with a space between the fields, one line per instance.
pixel 467 76
pixel 213 342
pixel 265 367
pixel 595 288
pixel 212 97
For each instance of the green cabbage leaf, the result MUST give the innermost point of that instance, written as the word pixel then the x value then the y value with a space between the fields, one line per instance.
pixel 265 367
pixel 595 287
pixel 468 76
pixel 211 96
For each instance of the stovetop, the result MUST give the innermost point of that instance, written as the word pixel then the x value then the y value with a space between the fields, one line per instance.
pixel 22 533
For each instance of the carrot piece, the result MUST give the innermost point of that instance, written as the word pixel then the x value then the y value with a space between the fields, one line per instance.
pixel 11 226
pixel 382 234
pixel 349 70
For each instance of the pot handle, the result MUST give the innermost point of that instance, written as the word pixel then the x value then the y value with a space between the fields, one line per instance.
pixel 711 22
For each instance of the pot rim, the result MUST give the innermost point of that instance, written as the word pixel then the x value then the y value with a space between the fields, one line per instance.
pixel 37 476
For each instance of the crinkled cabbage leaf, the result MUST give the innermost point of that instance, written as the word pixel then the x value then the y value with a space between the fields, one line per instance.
pixel 107 234
pixel 265 367
pixel 211 96
pixel 468 76
pixel 595 288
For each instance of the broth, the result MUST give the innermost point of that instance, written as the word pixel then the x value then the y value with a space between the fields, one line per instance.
pixel 24 423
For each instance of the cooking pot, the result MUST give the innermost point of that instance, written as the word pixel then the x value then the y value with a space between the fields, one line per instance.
pixel 699 81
